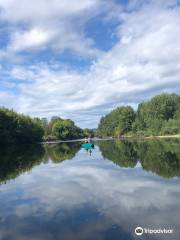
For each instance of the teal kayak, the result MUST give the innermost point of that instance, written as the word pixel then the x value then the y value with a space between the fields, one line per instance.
pixel 87 145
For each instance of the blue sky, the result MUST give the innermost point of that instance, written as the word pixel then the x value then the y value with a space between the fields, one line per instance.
pixel 80 59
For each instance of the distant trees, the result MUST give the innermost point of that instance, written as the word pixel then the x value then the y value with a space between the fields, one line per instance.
pixel 160 115
pixel 66 129
pixel 62 129
pixel 89 132
pixel 18 128
pixel 117 122
pixel 172 126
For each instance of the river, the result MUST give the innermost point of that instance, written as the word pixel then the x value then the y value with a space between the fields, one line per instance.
pixel 61 191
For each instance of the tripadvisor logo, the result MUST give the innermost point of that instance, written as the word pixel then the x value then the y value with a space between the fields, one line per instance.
pixel 139 231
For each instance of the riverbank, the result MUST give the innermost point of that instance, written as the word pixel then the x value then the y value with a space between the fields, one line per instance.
pixel 62 141
pixel 149 137
pixel 113 138
pixel 164 136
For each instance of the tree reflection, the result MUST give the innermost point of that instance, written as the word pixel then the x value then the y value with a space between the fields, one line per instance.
pixel 16 160
pixel 161 156
pixel 63 151
pixel 120 152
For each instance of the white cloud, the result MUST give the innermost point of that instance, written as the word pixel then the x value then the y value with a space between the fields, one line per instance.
pixel 56 24
pixel 20 10
pixel 29 39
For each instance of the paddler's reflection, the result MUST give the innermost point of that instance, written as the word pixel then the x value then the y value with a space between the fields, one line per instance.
pixel 88 151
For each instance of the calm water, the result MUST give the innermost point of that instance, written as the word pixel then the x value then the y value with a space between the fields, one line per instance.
pixel 67 193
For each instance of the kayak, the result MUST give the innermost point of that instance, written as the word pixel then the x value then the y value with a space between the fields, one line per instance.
pixel 87 145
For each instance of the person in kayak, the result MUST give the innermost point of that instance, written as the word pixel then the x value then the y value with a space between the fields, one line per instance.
pixel 88 151
pixel 89 139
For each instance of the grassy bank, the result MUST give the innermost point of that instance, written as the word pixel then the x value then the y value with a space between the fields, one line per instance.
pixel 164 136
pixel 149 137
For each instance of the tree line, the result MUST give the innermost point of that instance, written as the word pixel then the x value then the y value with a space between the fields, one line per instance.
pixel 159 116
pixel 19 129
pixel 62 129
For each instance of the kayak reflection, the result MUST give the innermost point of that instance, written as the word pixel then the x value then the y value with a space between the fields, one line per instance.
pixel 88 148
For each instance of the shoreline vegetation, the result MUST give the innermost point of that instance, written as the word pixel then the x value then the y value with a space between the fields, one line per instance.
pixel 156 118
pixel 149 137
pixel 159 116
pixel 21 129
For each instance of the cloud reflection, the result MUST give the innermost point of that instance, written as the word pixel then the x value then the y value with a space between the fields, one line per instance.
pixel 87 198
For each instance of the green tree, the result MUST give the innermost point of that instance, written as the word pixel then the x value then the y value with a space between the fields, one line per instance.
pixel 88 132
pixel 117 122
pixel 172 126
pixel 152 115
pixel 18 128
pixel 64 129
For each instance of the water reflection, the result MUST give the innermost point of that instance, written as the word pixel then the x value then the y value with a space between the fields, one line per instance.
pixel 60 152
pixel 15 160
pixel 161 157
pixel 120 152
pixel 90 198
